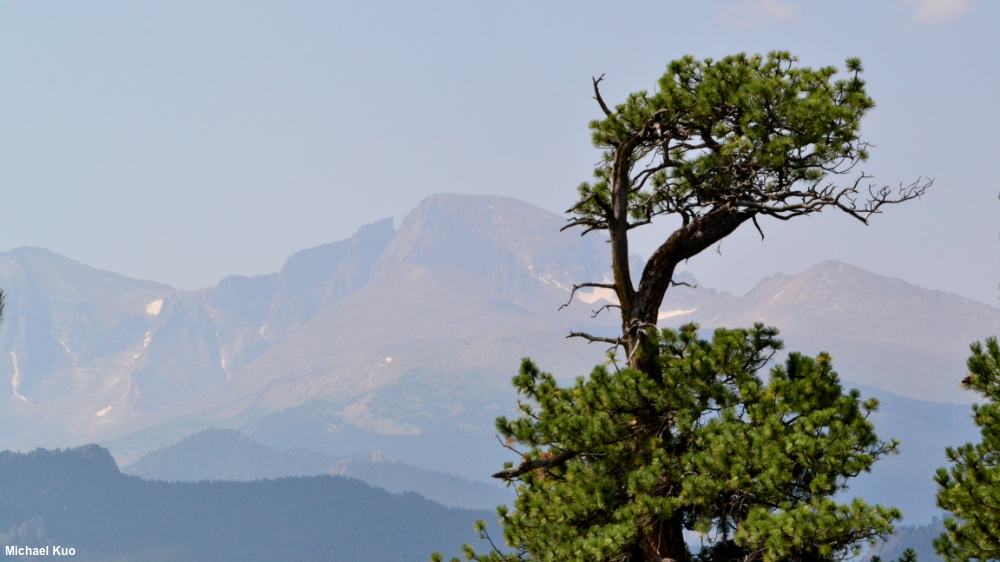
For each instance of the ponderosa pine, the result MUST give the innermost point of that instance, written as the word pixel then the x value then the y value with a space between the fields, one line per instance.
pixel 751 465
pixel 683 435
pixel 970 489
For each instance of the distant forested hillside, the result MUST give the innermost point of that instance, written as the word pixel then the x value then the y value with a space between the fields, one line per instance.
pixel 78 498
pixel 917 537
pixel 226 454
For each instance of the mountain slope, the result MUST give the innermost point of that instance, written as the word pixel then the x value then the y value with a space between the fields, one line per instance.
pixel 918 537
pixel 67 344
pixel 219 454
pixel 882 331
pixel 92 353
pixel 428 346
pixel 924 430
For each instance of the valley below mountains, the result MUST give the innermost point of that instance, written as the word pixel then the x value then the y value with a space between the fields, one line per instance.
pixel 404 340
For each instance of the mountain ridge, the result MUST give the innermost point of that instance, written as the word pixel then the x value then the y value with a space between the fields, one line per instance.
pixel 228 455
pixel 843 309
pixel 79 498
pixel 404 340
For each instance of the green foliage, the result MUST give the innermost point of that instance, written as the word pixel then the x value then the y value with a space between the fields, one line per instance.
pixel 970 489
pixel 740 130
pixel 751 465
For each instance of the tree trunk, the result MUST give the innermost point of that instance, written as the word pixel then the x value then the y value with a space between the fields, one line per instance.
pixel 664 540
pixel 640 307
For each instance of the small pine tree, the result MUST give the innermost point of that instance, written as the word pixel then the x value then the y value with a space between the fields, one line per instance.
pixel 970 489
pixel 750 466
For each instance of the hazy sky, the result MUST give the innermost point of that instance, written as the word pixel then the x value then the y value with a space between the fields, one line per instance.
pixel 186 141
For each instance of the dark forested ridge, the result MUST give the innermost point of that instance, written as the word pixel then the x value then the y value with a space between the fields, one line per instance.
pixel 78 498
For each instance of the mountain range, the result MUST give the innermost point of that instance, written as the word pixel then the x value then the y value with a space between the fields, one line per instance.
pixel 77 499
pixel 228 455
pixel 881 330
pixel 403 340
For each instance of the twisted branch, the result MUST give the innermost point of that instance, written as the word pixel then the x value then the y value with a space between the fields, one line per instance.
pixel 584 285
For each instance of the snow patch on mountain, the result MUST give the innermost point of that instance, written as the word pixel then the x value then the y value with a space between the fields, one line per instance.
pixel 153 308
pixel 15 383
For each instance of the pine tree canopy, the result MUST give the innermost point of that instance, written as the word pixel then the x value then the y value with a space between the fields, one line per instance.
pixel 719 144
pixel 748 131
pixel 749 465
pixel 970 489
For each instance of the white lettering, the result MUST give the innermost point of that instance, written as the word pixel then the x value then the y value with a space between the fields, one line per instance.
pixel 44 551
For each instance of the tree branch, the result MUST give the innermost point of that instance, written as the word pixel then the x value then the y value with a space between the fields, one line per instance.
pixel 599 310
pixel 528 466
pixel 583 285
pixel 597 96
pixel 754 219
pixel 592 339
pixel 593 197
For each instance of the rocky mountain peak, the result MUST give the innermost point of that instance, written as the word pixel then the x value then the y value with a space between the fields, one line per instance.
pixel 512 250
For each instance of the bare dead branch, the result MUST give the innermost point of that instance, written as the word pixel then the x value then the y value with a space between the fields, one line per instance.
pixel 528 466
pixel 682 284
pixel 885 196
pixel 597 96
pixel 638 326
pixel 506 444
pixel 592 339
pixel 584 285
pixel 601 309
pixel 754 219
pixel 788 204
pixel 588 225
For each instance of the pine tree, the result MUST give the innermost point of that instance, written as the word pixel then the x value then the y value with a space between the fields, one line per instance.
pixel 970 489
pixel 719 145
pixel 683 435
pixel 750 465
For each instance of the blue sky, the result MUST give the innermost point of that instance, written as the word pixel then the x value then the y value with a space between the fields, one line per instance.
pixel 187 141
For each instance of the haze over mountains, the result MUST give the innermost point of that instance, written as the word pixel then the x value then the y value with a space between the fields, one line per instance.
pixel 882 331
pixel 405 340
pixel 226 454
